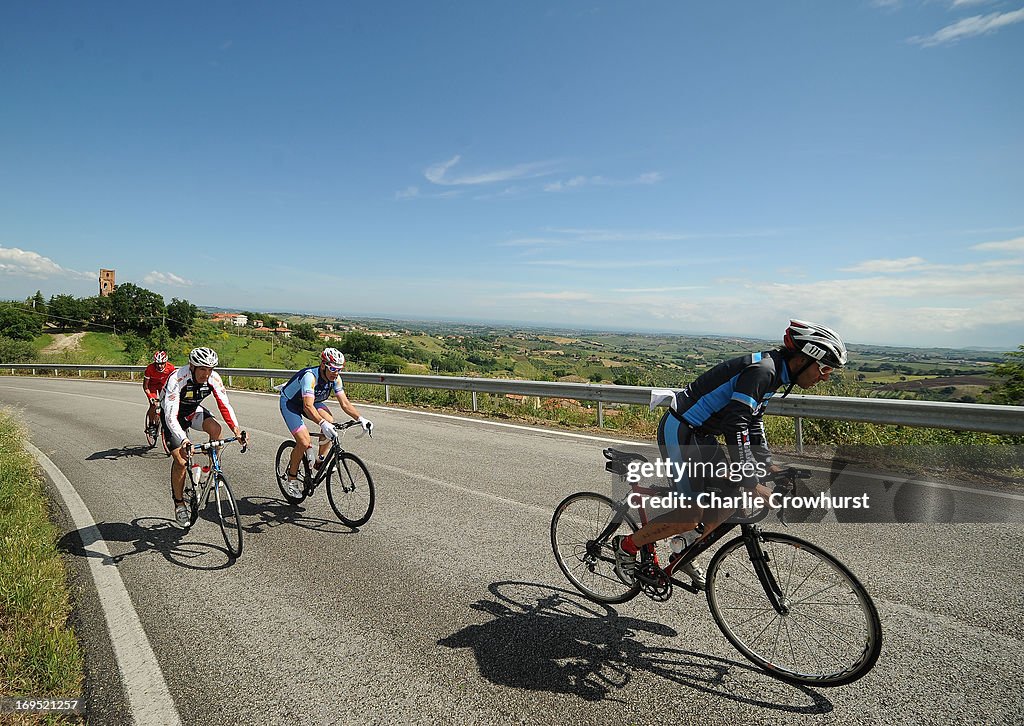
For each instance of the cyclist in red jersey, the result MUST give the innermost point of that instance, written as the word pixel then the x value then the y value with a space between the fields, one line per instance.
pixel 153 380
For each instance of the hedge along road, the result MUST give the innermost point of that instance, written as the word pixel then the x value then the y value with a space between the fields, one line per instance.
pixel 448 605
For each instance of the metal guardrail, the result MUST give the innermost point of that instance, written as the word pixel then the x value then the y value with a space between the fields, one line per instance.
pixel 929 414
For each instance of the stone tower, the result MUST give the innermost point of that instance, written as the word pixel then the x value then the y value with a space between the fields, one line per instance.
pixel 106 282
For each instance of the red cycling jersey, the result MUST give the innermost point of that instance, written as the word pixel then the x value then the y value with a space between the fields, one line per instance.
pixel 154 379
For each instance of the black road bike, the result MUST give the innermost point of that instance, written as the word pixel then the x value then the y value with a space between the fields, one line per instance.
pixel 349 484
pixel 784 603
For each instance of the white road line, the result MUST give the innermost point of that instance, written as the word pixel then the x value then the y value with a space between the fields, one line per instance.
pixel 148 696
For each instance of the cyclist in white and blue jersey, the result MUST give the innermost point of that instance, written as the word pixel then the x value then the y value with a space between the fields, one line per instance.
pixel 729 401
pixel 305 395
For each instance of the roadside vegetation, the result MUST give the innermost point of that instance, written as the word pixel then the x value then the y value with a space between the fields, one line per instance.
pixel 39 653
pixel 143 323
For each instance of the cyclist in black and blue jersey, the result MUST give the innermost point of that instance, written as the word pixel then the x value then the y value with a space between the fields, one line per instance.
pixel 729 401
pixel 304 395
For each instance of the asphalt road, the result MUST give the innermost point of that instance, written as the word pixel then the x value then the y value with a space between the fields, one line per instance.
pixel 448 605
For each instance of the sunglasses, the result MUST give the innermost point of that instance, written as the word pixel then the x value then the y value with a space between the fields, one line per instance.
pixel 334 369
pixel 824 369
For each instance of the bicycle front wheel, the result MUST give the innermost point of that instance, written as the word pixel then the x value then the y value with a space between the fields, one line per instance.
pixel 582 529
pixel 150 433
pixel 350 490
pixel 227 512
pixel 826 630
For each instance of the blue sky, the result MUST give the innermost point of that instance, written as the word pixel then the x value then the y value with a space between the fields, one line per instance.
pixel 694 167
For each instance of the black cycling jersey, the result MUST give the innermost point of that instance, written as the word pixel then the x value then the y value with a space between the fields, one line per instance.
pixel 730 399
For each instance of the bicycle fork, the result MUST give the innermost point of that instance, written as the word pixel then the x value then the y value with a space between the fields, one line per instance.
pixel 759 560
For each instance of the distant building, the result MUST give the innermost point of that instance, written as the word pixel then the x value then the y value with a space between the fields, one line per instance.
pixel 106 282
pixel 240 320
pixel 257 323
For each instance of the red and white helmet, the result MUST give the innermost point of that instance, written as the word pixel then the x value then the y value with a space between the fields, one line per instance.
pixel 333 357
pixel 160 357
pixel 820 343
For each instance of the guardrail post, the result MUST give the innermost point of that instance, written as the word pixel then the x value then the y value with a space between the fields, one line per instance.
pixel 104 374
pixel 131 375
pixel 474 401
pixel 79 372
pixel 230 383
pixel 54 372
pixel 33 371
pixel 271 384
pixel 600 414
pixel 387 393
pixel 799 423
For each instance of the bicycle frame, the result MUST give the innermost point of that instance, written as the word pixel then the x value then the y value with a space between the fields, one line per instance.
pixel 750 533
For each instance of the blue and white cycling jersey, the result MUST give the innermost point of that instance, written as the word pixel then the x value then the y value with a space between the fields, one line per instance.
pixel 307 382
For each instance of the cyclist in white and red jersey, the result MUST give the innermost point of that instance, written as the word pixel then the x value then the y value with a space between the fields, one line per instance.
pixel 153 380
pixel 181 401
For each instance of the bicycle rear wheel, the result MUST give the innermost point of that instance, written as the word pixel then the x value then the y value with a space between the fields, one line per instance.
pixel 150 433
pixel 828 633
pixel 281 463
pixel 227 512
pixel 582 529
pixel 350 490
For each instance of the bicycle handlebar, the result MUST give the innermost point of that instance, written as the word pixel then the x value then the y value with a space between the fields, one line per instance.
pixel 221 443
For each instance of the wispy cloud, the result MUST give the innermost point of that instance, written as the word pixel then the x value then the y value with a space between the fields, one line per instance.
pixel 653 235
pixel 439 173
pixel 1010 245
pixel 900 265
pixel 607 264
pixel 413 192
pixel 644 290
pixel 969 3
pixel 25 263
pixel 533 242
pixel 564 295
pixel 969 28
pixel 166 278
pixel 651 177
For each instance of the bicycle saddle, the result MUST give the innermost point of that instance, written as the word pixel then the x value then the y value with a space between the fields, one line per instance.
pixel 619 461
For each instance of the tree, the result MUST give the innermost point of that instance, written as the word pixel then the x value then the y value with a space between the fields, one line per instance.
pixel 38 303
pixel 18 323
pixel 180 316
pixel 135 308
pixel 1010 389
pixel 305 331
pixel 68 311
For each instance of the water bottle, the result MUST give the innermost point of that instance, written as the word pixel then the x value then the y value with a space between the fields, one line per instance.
pixel 681 541
pixel 197 472
pixel 310 457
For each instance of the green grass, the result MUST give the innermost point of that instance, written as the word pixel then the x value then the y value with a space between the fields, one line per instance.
pixel 39 654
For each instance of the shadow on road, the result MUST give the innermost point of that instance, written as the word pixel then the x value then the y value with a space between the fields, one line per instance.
pixel 544 638
pixel 150 534
pixel 269 513
pixel 115 454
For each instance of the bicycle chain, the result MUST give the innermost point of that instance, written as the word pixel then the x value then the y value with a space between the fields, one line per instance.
pixel 654 583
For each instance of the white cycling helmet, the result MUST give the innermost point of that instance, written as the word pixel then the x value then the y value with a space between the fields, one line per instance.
pixel 203 357
pixel 820 343
pixel 333 357
pixel 160 357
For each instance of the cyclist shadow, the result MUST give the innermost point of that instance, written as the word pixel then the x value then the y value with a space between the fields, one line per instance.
pixel 269 512
pixel 120 453
pixel 547 639
pixel 147 534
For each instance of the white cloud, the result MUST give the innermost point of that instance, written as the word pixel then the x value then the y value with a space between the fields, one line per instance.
pixel 608 264
pixel 408 193
pixel 532 242
pixel 900 265
pixel 565 295
pixel 967 3
pixel 677 288
pixel 651 177
pixel 1012 245
pixel 969 27
pixel 166 278
pixel 25 263
pixel 438 173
